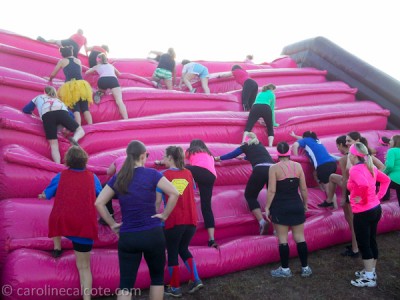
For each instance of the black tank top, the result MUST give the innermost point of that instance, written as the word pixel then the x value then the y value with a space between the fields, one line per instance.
pixel 72 70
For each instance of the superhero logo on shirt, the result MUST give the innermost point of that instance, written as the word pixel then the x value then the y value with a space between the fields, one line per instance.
pixel 180 185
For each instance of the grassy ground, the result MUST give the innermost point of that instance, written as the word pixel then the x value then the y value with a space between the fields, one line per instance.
pixel 331 278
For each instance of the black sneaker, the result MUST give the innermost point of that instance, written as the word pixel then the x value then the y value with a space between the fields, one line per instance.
pixel 350 253
pixel 213 244
pixel 56 253
pixel 326 204
pixel 174 292
pixel 194 286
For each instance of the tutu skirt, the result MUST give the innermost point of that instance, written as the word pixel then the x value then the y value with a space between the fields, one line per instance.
pixel 73 91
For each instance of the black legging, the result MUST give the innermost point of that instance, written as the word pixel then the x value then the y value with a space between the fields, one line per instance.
pixel 365 227
pixel 249 93
pixel 257 180
pixel 178 239
pixel 131 247
pixel 205 180
pixel 395 186
pixel 260 111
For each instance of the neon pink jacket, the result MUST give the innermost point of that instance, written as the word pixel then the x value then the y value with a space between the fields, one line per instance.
pixel 362 184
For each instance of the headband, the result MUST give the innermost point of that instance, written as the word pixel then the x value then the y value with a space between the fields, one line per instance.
pixel 353 150
pixel 284 154
pixel 382 142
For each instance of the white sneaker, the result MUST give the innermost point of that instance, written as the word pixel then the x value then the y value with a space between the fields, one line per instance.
pixel 361 274
pixel 306 272
pixel 363 282
pixel 281 273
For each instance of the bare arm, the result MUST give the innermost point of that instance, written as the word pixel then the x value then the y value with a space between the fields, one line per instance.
pixel 271 190
pixel 56 69
pixel 297 137
pixel 169 189
pixel 117 73
pixel 111 169
pixel 158 201
pixel 295 148
pixel 106 195
pixel 303 187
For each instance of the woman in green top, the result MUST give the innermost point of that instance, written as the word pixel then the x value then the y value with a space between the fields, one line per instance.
pixel 263 107
pixel 392 166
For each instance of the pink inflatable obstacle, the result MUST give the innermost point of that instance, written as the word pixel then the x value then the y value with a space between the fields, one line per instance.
pixel 236 254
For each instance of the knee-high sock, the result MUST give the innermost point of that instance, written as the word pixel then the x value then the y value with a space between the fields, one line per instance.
pixel 175 278
pixel 284 254
pixel 302 250
pixel 191 266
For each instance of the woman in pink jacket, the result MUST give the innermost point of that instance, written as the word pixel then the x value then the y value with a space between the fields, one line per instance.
pixel 365 204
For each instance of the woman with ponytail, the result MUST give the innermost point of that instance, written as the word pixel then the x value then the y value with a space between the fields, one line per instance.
pixel 260 160
pixel 352 138
pixel 285 208
pixel 108 79
pixel 140 232
pixel 365 204
pixel 180 227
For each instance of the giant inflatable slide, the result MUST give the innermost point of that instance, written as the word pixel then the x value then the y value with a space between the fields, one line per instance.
pixel 306 100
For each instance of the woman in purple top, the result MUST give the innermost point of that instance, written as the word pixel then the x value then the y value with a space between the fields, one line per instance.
pixel 140 232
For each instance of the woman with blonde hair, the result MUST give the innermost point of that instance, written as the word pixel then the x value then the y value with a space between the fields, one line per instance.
pixel 261 161
pixel 365 204
pixel 53 113
pixel 285 208
pixel 108 79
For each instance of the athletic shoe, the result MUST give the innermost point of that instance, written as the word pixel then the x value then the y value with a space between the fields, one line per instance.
pixel 325 204
pixel 97 97
pixel 361 274
pixel 281 273
pixel 194 286
pixel 264 228
pixel 56 253
pixel 349 252
pixel 306 272
pixel 174 292
pixel 364 282
pixel 213 244
pixel 72 141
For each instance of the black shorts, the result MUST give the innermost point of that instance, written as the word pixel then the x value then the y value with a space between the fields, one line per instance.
pixel 93 58
pixel 54 118
pixel 108 82
pixel 69 42
pixel 82 247
pixel 81 106
pixel 325 170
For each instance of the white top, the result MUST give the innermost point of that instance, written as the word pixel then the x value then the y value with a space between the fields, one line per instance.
pixel 105 70
pixel 45 103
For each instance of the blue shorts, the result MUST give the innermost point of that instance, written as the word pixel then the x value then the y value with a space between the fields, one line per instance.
pixel 200 70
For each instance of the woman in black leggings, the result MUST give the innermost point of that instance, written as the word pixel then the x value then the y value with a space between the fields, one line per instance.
pixel 260 160
pixel 201 164
pixel 264 107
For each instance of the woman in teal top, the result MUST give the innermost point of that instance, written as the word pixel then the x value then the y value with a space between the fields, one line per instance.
pixel 263 107
pixel 392 166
